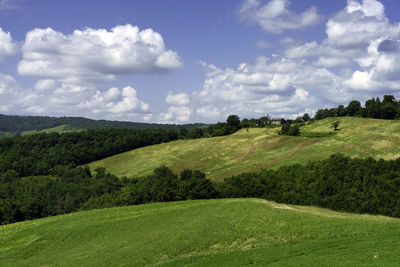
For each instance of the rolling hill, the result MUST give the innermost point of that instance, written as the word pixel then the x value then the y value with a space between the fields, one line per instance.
pixel 224 232
pixel 260 148
pixel 25 125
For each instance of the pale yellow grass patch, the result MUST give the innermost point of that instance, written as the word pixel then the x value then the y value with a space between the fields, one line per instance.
pixel 321 211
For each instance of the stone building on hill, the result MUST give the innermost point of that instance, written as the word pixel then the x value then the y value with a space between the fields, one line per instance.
pixel 278 121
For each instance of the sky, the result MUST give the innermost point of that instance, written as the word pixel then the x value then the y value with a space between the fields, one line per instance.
pixel 185 61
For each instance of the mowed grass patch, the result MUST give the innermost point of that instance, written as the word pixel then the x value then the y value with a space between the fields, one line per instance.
pixel 65 128
pixel 6 134
pixel 228 232
pixel 220 157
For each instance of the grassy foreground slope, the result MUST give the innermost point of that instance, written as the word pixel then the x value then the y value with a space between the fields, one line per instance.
pixel 226 232
pixel 259 148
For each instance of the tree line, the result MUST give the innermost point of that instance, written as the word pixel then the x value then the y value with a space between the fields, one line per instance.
pixel 339 183
pixel 73 189
pixel 18 124
pixel 40 153
pixel 388 108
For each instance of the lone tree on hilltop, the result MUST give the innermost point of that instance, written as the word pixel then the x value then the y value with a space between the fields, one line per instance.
pixel 335 125
pixel 233 121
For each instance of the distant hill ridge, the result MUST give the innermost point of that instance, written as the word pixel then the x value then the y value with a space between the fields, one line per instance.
pixel 18 124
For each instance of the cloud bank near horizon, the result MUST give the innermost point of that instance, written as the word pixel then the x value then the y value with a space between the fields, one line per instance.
pixel 358 57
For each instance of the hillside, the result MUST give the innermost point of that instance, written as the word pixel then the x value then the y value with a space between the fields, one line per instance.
pixel 228 232
pixel 259 148
pixel 25 125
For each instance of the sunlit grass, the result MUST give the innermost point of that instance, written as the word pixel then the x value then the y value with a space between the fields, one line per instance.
pixel 6 134
pixel 65 128
pixel 227 232
pixel 244 151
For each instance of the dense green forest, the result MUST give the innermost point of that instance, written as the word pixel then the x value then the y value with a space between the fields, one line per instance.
pixel 339 183
pixel 17 124
pixel 40 153
pixel 76 188
pixel 389 109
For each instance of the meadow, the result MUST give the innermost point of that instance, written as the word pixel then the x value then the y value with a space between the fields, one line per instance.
pixel 224 232
pixel 258 148
pixel 65 128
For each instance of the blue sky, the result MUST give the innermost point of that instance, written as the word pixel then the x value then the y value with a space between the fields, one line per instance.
pixel 185 61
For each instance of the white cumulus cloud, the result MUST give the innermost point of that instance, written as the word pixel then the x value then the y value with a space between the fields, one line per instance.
pixel 277 86
pixel 349 33
pixel 50 97
pixel 7 46
pixel 115 101
pixel 362 38
pixel 358 24
pixel 179 99
pixel 95 55
pixel 176 114
pixel 179 110
pixel 275 17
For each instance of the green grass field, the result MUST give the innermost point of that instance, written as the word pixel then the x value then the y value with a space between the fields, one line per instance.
pixel 6 134
pixel 226 232
pixel 65 128
pixel 244 151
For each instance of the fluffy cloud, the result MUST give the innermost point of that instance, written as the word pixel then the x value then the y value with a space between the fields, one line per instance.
pixel 304 78
pixel 179 110
pixel 16 100
pixel 359 36
pixel 303 50
pixel 277 86
pixel 358 24
pixel 180 99
pixel 331 62
pixel 115 101
pixel 176 114
pixel 93 56
pixel 365 26
pixel 349 33
pixel 7 47
pixel 379 71
pixel 274 17
pixel 44 85
pixel 50 97
pixel 72 71
pixel 8 92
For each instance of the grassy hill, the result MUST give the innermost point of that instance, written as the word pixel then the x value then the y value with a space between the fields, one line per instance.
pixel 225 232
pixel 25 125
pixel 64 128
pixel 259 148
